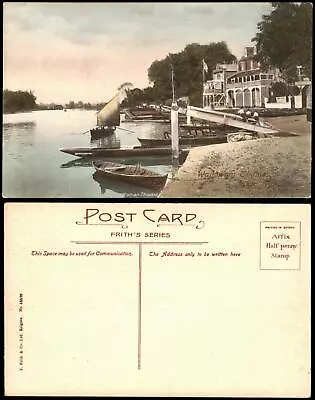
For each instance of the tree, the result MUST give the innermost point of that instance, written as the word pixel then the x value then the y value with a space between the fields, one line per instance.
pixel 17 101
pixel 71 104
pixel 187 66
pixel 125 86
pixel 284 38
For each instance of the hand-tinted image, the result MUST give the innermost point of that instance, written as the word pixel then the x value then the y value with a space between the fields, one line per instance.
pixel 167 100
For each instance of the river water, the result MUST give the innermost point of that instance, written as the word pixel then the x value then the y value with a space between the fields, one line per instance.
pixel 34 167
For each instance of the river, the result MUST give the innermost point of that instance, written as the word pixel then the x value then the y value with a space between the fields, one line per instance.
pixel 34 167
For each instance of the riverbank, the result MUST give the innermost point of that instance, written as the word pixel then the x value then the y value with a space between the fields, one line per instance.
pixel 296 124
pixel 276 167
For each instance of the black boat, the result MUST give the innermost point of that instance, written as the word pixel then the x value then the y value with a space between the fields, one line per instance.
pixel 184 141
pixel 136 151
pixel 102 131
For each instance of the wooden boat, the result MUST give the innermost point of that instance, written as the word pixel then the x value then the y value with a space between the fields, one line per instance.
pixel 155 120
pixel 119 153
pixel 101 131
pixel 133 174
pixel 144 114
pixel 205 129
pixel 184 141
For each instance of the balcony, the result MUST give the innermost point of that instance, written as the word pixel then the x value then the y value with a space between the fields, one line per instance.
pixel 213 91
pixel 249 84
pixel 212 87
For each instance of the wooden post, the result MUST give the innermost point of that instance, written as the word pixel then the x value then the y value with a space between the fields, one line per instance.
pixel 174 130
pixel 203 83
pixel 188 116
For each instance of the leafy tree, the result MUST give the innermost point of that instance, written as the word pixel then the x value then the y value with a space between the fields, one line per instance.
pixel 125 86
pixel 280 89
pixel 134 97
pixel 187 67
pixel 284 38
pixel 17 101
pixel 87 106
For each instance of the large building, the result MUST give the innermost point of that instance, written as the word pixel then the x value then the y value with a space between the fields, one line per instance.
pixel 214 93
pixel 242 84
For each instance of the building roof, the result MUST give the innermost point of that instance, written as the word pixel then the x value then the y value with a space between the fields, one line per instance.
pixel 226 67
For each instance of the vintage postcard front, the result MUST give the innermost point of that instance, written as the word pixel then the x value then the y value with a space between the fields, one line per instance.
pixel 157 299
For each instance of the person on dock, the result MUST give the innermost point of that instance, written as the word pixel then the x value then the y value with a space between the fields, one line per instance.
pixel 242 114
pixel 248 114
pixel 256 117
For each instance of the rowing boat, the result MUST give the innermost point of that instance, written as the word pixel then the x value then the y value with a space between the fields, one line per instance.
pixel 205 129
pixel 133 174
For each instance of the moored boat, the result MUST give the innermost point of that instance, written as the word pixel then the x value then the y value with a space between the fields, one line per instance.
pixel 205 129
pixel 122 152
pixel 184 141
pixel 108 118
pixel 101 131
pixel 140 114
pixel 133 174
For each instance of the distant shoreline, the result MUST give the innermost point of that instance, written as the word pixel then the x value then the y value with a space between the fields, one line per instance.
pixel 46 109
pixel 17 112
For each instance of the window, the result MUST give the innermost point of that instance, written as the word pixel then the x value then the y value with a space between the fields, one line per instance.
pixel 270 76
pixel 263 76
pixel 256 77
pixel 252 77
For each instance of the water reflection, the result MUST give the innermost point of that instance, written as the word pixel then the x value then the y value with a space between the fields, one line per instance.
pixel 18 136
pixel 108 185
pixel 109 141
pixel 144 162
pixel 20 125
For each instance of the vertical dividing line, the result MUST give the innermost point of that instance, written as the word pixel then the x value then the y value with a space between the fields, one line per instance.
pixel 139 304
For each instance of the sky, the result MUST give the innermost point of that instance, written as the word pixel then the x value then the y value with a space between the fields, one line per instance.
pixel 84 51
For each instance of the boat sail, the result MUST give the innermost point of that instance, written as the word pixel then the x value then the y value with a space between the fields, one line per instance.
pixel 109 115
pixel 108 118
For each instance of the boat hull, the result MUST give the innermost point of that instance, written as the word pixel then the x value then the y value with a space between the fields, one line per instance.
pixel 102 132
pixel 130 174
pixel 125 152
pixel 197 141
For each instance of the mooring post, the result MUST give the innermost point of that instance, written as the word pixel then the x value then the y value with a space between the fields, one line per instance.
pixel 174 130
pixel 188 121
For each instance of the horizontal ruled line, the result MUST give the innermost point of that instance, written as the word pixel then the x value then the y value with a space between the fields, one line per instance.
pixel 106 242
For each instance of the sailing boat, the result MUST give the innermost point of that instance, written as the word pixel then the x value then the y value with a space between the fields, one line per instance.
pixel 107 118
